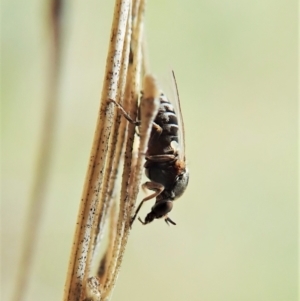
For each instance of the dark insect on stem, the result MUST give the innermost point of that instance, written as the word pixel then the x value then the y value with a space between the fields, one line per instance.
pixel 165 164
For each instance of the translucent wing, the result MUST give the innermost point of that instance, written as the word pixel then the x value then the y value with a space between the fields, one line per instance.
pixel 171 91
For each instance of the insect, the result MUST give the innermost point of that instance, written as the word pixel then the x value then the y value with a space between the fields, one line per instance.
pixel 165 164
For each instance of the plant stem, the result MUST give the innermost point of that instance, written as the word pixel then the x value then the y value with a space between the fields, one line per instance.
pixel 83 243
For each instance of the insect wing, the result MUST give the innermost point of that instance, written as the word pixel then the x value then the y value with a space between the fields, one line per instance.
pixel 173 96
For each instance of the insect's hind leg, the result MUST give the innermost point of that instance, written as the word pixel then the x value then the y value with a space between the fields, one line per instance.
pixel 162 158
pixel 124 113
pixel 157 187
pixel 155 133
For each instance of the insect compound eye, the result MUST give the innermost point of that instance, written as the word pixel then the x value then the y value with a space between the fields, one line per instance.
pixel 160 209
pixel 149 218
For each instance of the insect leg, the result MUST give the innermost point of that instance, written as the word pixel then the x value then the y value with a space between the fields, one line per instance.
pixel 125 114
pixel 156 132
pixel 161 158
pixel 157 187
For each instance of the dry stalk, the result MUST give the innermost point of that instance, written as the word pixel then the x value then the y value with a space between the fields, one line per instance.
pixel 123 227
pixel 83 246
pixel 122 84
pixel 117 140
pixel 41 174
pixel 102 270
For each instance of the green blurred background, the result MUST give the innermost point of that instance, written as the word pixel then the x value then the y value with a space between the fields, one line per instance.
pixel 236 67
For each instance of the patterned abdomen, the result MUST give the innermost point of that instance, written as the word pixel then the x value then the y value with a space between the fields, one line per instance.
pixel 166 119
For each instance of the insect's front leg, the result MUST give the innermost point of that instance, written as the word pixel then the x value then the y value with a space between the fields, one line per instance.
pixel 156 187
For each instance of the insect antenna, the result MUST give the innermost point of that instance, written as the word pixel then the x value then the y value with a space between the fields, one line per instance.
pixel 179 107
pixel 141 221
pixel 168 220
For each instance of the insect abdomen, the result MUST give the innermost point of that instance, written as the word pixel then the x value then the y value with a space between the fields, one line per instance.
pixel 167 120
